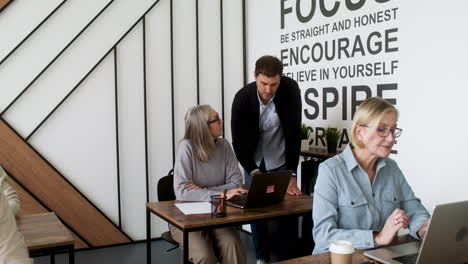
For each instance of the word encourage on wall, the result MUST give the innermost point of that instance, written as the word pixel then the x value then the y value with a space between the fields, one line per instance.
pixel 340 53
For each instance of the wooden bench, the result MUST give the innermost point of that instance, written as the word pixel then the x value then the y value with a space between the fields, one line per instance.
pixel 44 233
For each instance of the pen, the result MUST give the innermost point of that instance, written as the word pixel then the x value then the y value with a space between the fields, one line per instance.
pixel 221 203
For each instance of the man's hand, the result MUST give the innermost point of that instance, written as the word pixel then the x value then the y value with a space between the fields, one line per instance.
pixel 292 187
pixel 257 172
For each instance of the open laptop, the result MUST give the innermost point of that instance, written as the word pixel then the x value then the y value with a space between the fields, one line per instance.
pixel 265 189
pixel 446 240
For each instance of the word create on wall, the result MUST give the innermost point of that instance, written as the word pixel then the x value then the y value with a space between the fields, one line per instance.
pixel 340 53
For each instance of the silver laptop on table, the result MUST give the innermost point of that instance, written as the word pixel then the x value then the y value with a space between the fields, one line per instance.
pixel 265 189
pixel 446 240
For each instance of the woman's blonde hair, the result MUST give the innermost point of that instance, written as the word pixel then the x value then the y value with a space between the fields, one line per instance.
pixel 370 112
pixel 198 132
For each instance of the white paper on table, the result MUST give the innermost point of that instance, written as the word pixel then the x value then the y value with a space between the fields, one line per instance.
pixel 194 208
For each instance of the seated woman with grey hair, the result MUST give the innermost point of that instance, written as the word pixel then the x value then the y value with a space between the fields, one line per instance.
pixel 361 195
pixel 206 165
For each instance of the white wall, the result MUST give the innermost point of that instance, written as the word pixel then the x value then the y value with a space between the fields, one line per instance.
pixel 79 138
pixel 430 88
pixel 432 103
pixel 430 77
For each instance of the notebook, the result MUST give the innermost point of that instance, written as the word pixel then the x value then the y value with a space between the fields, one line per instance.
pixel 265 189
pixel 446 240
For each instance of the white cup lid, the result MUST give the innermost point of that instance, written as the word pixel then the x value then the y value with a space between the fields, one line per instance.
pixel 341 247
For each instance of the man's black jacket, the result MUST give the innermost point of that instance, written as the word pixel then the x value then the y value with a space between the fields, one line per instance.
pixel 245 119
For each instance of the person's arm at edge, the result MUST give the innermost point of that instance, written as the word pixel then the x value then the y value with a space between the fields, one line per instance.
pixel 10 193
pixel 12 246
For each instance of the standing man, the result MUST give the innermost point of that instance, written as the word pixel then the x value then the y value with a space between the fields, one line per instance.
pixel 266 120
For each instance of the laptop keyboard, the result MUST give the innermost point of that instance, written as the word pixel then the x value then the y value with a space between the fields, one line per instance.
pixel 241 197
pixel 408 259
pixel 239 200
pixel 239 203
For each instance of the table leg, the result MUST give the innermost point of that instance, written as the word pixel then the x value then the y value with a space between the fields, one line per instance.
pixel 71 255
pixel 186 247
pixel 148 236
pixel 52 257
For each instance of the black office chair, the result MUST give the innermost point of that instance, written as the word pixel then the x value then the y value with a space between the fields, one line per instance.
pixel 166 193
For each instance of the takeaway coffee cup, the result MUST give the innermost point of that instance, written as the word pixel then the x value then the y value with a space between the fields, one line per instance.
pixel 341 252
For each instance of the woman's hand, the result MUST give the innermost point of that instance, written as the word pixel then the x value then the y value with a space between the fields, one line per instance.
pixel 397 220
pixel 423 229
pixel 192 186
pixel 234 192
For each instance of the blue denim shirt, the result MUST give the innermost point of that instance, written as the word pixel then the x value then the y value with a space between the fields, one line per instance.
pixel 346 206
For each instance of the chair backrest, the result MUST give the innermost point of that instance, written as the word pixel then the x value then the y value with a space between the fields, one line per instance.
pixel 166 187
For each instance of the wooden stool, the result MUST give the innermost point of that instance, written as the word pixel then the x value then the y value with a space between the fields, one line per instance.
pixel 44 233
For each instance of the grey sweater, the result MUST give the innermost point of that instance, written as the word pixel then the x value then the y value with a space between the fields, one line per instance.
pixel 220 172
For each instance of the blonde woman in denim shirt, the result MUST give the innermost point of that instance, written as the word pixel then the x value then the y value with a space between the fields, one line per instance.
pixel 361 195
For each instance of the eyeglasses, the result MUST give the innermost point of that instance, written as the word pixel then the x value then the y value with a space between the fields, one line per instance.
pixel 384 132
pixel 217 119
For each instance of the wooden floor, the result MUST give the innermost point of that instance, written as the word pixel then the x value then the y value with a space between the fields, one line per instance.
pixel 136 253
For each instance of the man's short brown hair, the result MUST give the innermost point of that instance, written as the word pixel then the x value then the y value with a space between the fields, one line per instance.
pixel 269 66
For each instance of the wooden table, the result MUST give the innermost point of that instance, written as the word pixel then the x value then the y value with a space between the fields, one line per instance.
pixel 292 205
pixel 319 153
pixel 358 256
pixel 45 233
